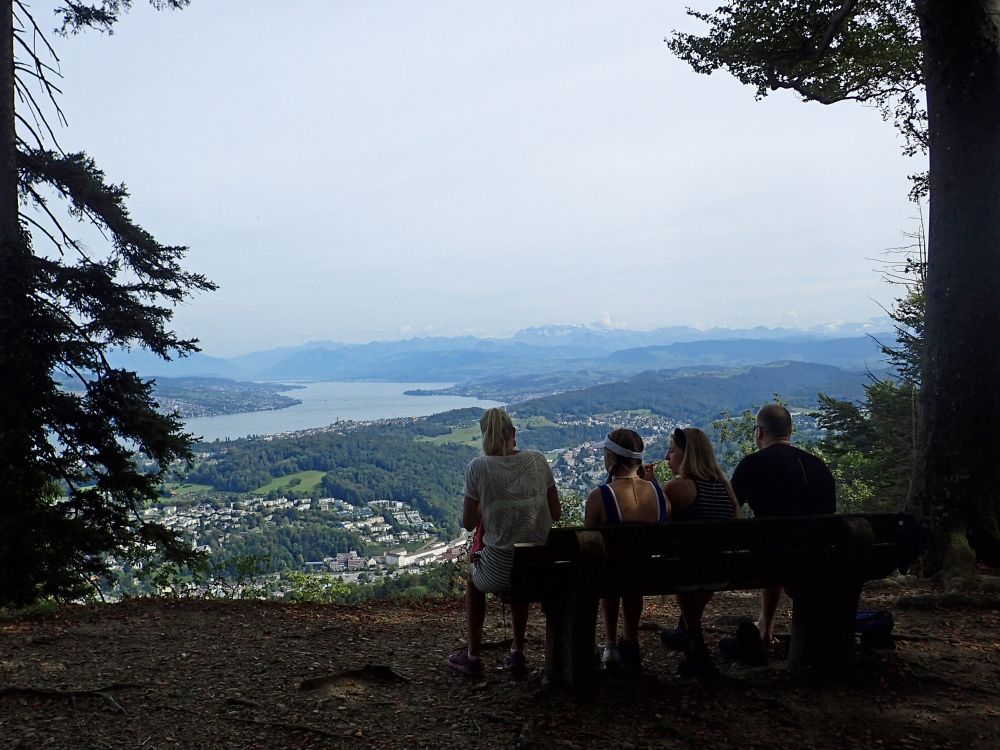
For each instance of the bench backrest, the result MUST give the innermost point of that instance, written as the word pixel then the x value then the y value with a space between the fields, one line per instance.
pixel 660 559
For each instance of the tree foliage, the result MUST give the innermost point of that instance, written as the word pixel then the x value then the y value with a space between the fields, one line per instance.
pixel 893 55
pixel 734 434
pixel 825 50
pixel 70 486
pixel 370 463
pixel 871 446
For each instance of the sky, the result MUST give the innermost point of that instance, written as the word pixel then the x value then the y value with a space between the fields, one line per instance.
pixel 376 170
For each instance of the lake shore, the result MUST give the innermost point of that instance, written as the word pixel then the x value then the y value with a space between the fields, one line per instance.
pixel 325 403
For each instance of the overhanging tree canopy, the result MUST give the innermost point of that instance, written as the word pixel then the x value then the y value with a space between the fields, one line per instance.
pixel 72 428
pixel 888 53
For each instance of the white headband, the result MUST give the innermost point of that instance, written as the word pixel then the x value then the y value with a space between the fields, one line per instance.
pixel 612 446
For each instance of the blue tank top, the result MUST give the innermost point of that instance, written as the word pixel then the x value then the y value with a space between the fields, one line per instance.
pixel 612 510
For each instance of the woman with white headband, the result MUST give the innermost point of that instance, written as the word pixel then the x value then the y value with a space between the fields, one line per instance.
pixel 624 498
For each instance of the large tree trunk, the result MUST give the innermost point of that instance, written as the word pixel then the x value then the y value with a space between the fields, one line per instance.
pixel 16 585
pixel 9 227
pixel 957 483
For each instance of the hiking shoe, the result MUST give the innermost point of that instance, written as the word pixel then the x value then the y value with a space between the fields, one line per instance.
pixel 609 658
pixel 746 647
pixel 697 663
pixel 675 640
pixel 515 663
pixel 691 667
pixel 875 628
pixel 460 661
pixel 628 655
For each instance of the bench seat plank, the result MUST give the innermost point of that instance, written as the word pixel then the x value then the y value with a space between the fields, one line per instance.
pixel 821 560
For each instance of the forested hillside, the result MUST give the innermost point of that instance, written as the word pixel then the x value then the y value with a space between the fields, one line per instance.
pixel 699 395
pixel 363 464
pixel 396 460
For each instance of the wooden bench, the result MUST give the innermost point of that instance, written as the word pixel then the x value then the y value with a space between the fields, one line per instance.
pixel 822 561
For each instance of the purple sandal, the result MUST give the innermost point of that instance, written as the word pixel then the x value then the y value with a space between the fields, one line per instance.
pixel 515 663
pixel 460 661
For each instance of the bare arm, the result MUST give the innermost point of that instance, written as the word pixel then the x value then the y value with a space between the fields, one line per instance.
pixel 555 507
pixel 593 512
pixel 472 514
pixel 681 493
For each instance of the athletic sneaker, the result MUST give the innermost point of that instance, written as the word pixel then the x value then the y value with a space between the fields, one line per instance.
pixel 746 647
pixel 515 663
pixel 609 658
pixel 460 661
pixel 676 639
pixel 629 656
pixel 697 662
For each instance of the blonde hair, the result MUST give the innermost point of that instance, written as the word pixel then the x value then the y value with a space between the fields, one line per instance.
pixel 496 427
pixel 699 461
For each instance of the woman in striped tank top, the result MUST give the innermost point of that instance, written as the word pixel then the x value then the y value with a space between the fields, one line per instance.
pixel 700 491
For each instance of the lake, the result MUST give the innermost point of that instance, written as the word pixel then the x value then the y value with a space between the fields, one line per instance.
pixel 324 403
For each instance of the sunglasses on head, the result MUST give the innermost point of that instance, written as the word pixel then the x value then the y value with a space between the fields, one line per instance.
pixel 680 440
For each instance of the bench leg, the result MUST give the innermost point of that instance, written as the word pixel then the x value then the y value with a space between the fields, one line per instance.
pixel 570 628
pixel 823 627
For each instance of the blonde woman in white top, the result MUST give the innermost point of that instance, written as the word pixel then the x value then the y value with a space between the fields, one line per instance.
pixel 513 494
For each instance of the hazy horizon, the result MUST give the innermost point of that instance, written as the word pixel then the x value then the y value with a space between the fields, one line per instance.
pixel 375 172
pixel 844 329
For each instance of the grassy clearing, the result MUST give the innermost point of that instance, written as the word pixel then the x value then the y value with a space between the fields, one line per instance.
pixel 631 412
pixel 308 482
pixel 469 435
pixel 184 489
pixel 534 422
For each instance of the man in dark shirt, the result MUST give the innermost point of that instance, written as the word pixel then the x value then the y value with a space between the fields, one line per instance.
pixel 781 480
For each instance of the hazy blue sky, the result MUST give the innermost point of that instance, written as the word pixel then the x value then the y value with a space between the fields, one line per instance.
pixel 361 170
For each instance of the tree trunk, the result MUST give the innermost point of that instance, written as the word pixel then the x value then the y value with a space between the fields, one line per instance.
pixel 9 226
pixel 957 482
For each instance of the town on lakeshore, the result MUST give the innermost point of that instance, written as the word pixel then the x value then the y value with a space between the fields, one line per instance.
pixel 208 525
pixel 381 537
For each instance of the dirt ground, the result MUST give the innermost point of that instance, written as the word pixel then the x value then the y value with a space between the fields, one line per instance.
pixel 210 674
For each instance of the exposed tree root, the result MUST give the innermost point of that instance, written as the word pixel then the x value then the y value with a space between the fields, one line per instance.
pixel 236 700
pixel 102 693
pixel 368 674
pixel 949 600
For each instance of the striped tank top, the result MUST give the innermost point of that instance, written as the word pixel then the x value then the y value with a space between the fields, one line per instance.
pixel 712 503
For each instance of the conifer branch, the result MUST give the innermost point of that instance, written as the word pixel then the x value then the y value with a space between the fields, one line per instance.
pixel 41 203
pixel 20 141
pixel 27 97
pixel 46 232
pixel 37 31
pixel 39 72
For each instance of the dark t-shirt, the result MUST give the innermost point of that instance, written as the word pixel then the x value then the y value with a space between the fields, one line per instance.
pixel 782 480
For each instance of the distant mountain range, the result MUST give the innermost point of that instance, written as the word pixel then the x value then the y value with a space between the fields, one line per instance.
pixel 600 352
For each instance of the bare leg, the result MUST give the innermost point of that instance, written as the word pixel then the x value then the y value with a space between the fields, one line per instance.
pixel 631 614
pixel 692 604
pixel 610 607
pixel 475 614
pixel 697 662
pixel 769 600
pixel 519 618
